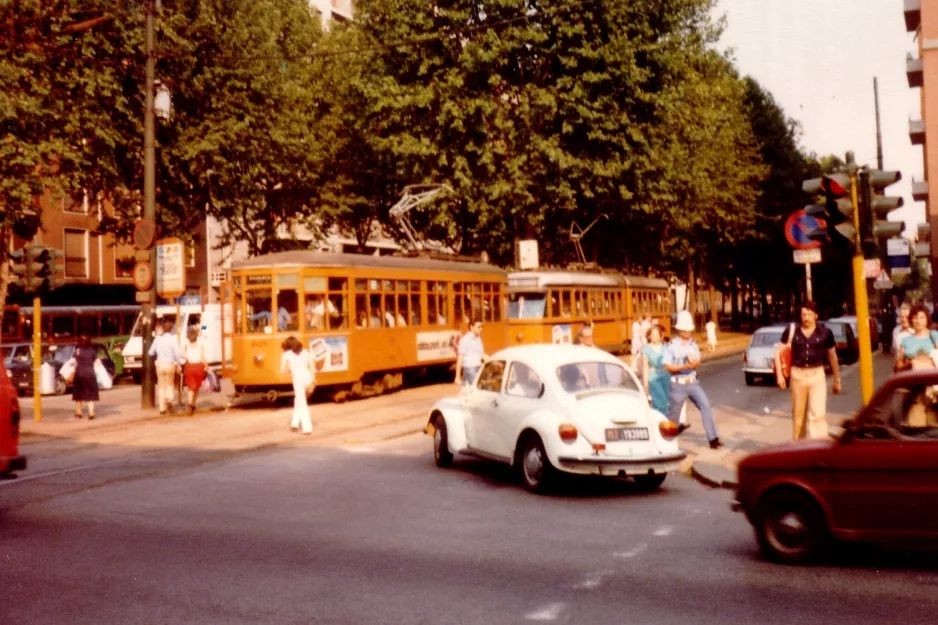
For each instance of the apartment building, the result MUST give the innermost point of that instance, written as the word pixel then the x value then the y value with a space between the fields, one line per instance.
pixel 921 18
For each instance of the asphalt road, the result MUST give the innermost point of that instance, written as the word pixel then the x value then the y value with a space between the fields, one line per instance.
pixel 183 521
pixel 377 534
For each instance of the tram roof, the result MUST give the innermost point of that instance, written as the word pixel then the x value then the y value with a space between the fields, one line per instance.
pixel 77 310
pixel 543 279
pixel 309 258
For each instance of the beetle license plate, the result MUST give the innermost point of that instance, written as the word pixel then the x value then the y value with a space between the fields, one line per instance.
pixel 626 434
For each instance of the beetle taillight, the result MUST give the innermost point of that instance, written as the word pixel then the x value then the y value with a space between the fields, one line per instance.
pixel 567 432
pixel 668 429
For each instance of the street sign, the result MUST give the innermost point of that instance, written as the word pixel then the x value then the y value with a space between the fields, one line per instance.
pixel 143 276
pixel 797 228
pixel 872 268
pixel 883 283
pixel 144 234
pixel 143 297
pixel 806 257
pixel 189 300
pixel 528 254
pixel 170 268
pixel 898 246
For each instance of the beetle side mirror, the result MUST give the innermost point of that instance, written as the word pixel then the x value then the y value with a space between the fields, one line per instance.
pixel 540 390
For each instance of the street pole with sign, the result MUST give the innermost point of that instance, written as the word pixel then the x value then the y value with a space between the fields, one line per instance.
pixel 807 258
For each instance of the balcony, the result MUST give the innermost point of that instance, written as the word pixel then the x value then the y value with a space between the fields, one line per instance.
pixel 920 190
pixel 917 131
pixel 913 71
pixel 913 15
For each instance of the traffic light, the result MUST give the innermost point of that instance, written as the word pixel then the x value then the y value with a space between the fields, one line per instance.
pixel 836 211
pixel 36 268
pixel 875 207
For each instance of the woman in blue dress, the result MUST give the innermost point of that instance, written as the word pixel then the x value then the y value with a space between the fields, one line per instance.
pixel 916 347
pixel 657 380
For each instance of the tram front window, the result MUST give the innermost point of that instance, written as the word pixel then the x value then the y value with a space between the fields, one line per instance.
pixel 526 305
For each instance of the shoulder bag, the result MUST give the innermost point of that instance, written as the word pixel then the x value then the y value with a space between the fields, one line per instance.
pixel 784 353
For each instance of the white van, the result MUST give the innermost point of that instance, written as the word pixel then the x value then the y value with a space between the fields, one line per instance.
pixel 207 318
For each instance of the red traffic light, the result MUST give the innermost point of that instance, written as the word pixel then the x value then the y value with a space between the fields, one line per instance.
pixel 835 185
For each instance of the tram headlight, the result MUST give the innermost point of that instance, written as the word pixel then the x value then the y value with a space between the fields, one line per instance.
pixel 259 360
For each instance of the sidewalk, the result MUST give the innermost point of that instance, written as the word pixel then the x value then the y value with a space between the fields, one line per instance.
pixel 743 433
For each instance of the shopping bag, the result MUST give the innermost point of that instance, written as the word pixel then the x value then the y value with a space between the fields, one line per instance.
pixel 210 384
pixel 101 375
pixel 68 370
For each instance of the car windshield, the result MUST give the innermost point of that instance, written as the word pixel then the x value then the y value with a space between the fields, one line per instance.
pixel 138 325
pixel 62 353
pixel 589 376
pixel 526 305
pixel 837 329
pixel 762 339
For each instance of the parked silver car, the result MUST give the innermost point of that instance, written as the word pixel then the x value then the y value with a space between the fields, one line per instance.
pixel 759 358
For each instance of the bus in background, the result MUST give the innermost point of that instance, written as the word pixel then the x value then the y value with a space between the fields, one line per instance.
pixel 64 324
pixel 10 459
pixel 207 318
pixel 550 306
pixel 366 320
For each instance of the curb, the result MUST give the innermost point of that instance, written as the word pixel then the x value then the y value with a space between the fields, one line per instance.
pixel 715 480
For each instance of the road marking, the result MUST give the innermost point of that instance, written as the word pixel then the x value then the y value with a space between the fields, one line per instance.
pixel 592 580
pixel 631 553
pixel 664 531
pixel 550 612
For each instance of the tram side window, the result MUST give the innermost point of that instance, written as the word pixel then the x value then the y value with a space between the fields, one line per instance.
pixel 11 329
pixel 258 303
pixel 460 305
pixel 554 304
pixel 437 303
pixel 63 327
pixel 288 302
pixel 336 303
pixel 375 312
pixel 566 308
pixel 111 325
pixel 496 303
pixel 526 306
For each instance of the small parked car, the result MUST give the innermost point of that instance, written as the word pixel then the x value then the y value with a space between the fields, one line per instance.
pixel 852 320
pixel 114 347
pixel 878 481
pixel 56 355
pixel 547 409
pixel 845 339
pixel 759 357
pixel 10 458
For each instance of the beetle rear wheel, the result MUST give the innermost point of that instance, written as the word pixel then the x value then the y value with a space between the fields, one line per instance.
pixel 441 453
pixel 537 473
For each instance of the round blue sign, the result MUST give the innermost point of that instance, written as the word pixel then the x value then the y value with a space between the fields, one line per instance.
pixel 797 228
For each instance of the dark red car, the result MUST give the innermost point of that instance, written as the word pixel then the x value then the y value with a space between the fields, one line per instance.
pixel 10 460
pixel 877 482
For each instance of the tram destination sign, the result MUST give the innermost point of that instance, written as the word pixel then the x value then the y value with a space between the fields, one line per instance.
pixel 170 268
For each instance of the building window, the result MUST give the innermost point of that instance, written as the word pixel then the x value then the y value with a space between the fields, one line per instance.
pixel 190 256
pixel 77 204
pixel 124 261
pixel 76 253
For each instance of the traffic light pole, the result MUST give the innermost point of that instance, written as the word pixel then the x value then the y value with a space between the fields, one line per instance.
pixel 147 387
pixel 37 359
pixel 859 292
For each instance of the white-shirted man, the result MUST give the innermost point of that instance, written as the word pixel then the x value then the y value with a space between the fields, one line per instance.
pixel 471 354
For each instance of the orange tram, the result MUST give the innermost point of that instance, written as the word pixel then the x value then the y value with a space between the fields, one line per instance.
pixel 550 306
pixel 366 320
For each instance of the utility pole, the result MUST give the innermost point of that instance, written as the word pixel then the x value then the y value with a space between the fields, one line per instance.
pixel 879 134
pixel 147 399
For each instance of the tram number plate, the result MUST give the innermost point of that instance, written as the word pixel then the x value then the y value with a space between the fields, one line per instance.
pixel 626 434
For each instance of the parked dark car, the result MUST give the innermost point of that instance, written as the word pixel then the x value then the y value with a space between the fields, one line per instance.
pixel 876 482
pixel 848 347
pixel 21 373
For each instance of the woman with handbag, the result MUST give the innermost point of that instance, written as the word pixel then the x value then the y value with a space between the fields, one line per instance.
pixel 809 343
pixel 915 349
pixel 85 381
pixel 193 369
pixel 297 362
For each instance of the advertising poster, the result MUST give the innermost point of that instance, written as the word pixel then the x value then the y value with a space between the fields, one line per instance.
pixel 562 334
pixel 436 345
pixel 330 353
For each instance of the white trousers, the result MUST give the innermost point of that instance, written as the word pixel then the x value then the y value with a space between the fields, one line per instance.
pixel 165 385
pixel 300 409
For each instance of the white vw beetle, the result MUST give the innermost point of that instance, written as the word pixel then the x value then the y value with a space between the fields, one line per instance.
pixel 545 408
